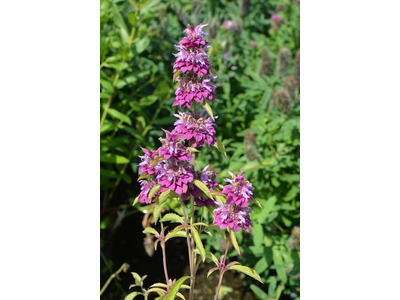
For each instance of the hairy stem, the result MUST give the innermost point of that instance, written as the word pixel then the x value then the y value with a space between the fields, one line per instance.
pixel 222 269
pixel 189 250
pixel 193 254
pixel 164 255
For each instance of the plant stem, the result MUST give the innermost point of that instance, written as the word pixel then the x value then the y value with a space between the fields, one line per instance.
pixel 189 250
pixel 222 269
pixel 193 254
pixel 111 278
pixel 164 255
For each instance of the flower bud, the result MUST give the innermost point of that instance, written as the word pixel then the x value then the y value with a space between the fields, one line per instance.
pixel 266 63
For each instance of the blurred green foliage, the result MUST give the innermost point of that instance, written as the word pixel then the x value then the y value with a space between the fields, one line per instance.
pixel 258 113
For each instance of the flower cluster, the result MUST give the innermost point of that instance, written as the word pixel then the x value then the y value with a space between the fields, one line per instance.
pixel 235 213
pixel 171 166
pixel 232 216
pixel 238 191
pixel 198 130
pixel 194 67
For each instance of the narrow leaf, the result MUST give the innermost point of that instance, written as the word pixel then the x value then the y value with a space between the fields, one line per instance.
pixel 151 230
pixel 119 115
pixel 202 187
pixel 136 201
pixel 221 148
pixel 153 191
pixel 175 288
pixel 171 235
pixel 157 211
pixel 208 255
pixel 159 291
pixel 207 107
pixel 211 271
pixel 132 296
pixel 248 271
pixel 234 240
pixel 143 176
pixel 164 196
pixel 199 243
pixel 174 218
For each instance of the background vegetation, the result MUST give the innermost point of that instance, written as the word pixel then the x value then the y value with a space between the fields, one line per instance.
pixel 258 65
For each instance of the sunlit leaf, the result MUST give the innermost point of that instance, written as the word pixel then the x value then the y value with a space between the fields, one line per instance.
pixel 199 243
pixel 246 270
pixel 174 218
pixel 151 230
pixel 233 240
pixel 175 288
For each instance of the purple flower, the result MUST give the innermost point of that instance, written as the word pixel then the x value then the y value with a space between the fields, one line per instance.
pixel 227 24
pixel 238 191
pixel 198 130
pixel 173 148
pixel 197 91
pixel 147 159
pixel 232 216
pixel 194 38
pixel 275 21
pixel 208 178
pixel 146 186
pixel 175 175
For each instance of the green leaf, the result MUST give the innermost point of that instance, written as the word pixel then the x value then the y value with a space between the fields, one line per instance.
pixel 157 211
pixel 259 292
pixel 107 85
pixel 174 218
pixel 211 271
pixel 291 194
pixel 159 291
pixel 202 187
pixel 221 148
pixel 199 243
pixel 207 107
pixel 280 266
pixel 142 44
pixel 164 196
pixel 258 234
pixel 116 114
pixel 119 21
pixel 209 255
pixel 175 288
pixel 132 296
pixel 261 265
pixel 143 176
pixel 233 240
pixel 153 191
pixel 262 217
pixel 176 74
pixel 138 279
pixel 113 158
pixel 150 230
pixel 136 201
pixel 248 271
pixel 171 235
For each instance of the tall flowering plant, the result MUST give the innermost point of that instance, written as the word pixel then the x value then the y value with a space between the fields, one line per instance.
pixel 169 174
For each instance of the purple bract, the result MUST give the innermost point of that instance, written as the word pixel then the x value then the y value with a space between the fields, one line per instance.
pixel 197 130
pixel 232 216
pixel 173 148
pixel 239 190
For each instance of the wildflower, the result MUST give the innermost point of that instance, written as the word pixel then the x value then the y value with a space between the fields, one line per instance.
pixel 275 21
pixel 193 90
pixel 208 178
pixel 198 130
pixel 195 61
pixel 175 175
pixel 148 157
pixel 173 148
pixel 232 216
pixel 145 188
pixel 194 38
pixel 239 190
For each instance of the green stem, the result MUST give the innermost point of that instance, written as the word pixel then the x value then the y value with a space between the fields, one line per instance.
pixel 112 277
pixel 191 266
